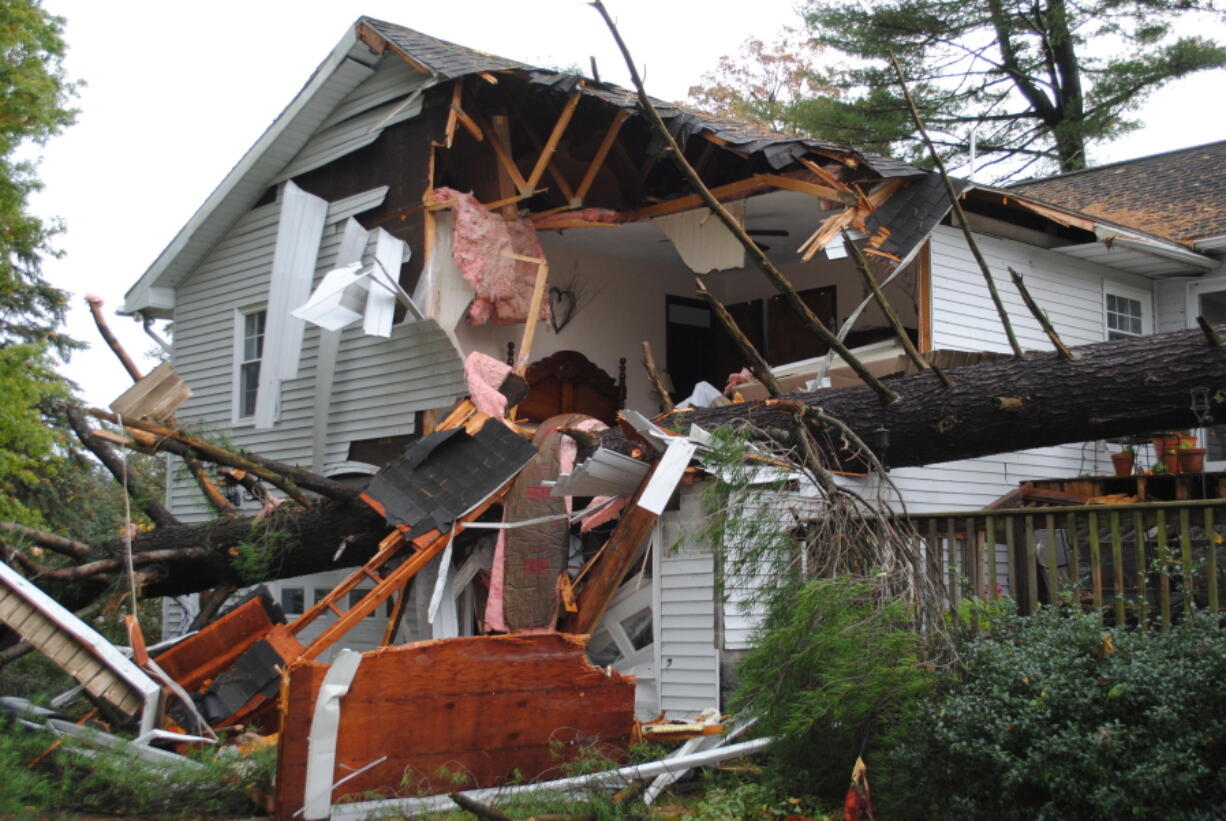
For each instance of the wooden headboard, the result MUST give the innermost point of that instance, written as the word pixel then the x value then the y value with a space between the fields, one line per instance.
pixel 569 382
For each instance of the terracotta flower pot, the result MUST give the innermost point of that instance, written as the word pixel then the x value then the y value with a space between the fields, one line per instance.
pixel 1171 459
pixel 1164 442
pixel 1192 460
pixel 1186 440
pixel 1123 463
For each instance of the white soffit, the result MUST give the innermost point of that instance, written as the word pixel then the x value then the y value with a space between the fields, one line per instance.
pixel 1122 257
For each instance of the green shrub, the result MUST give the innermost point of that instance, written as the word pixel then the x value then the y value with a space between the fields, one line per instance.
pixel 67 782
pixel 1053 716
pixel 835 673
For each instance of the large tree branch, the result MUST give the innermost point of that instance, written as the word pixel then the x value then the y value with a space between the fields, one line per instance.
pixel 145 499
pixel 287 477
pixel 65 547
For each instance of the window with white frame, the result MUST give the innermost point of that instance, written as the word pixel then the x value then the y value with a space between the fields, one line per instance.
pixel 249 352
pixel 1125 317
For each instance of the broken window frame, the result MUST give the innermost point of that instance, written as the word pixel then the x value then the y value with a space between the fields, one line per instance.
pixel 246 378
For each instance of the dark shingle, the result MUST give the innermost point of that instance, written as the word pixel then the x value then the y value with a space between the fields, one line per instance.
pixel 450 61
pixel 444 475
pixel 1180 195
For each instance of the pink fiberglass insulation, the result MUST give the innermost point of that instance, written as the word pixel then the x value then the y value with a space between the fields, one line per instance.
pixel 480 237
pixel 484 375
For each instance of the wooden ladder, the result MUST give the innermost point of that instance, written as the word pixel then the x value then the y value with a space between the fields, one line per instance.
pixel 424 548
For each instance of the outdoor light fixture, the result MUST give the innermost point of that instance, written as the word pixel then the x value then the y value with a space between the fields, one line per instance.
pixel 1200 406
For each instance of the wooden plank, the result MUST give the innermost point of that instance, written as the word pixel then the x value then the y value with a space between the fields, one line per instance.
pixel 923 297
pixel 1030 556
pixel 825 176
pixel 428 546
pixel 811 188
pixel 453 113
pixel 1053 571
pixel 494 708
pixel 551 144
pixel 1185 551
pixel 616 556
pixel 598 159
pixel 1211 560
pixel 1070 527
pixel 825 233
pixel 1117 567
pixel 500 140
pixel 989 539
pixel 201 657
pixel 955 566
pixel 733 190
pixel 1164 580
pixel 1138 527
pixel 1011 555
pixel 1096 564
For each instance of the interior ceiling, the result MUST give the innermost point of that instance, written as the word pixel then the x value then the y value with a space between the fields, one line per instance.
pixel 798 214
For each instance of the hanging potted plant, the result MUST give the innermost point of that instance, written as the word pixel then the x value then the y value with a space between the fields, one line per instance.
pixel 1191 458
pixel 1124 461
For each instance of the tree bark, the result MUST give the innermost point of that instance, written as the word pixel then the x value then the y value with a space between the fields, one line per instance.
pixel 1110 389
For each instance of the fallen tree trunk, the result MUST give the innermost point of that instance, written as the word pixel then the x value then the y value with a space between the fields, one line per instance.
pixel 1109 389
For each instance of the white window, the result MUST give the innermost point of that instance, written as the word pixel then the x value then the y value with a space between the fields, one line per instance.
pixel 248 353
pixel 1125 317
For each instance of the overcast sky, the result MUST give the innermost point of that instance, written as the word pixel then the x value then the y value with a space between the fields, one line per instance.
pixel 176 92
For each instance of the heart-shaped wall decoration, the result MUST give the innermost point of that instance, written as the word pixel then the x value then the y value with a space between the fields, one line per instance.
pixel 561 307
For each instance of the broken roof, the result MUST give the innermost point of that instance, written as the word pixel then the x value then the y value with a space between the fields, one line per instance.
pixel 351 62
pixel 1179 195
pixel 321 105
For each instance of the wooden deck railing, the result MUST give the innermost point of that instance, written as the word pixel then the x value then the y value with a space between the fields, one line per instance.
pixel 1133 564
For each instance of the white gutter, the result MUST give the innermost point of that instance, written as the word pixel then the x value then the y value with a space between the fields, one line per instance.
pixel 1145 245
pixel 1211 244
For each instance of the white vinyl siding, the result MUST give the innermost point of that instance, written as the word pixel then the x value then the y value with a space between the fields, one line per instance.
pixel 379 383
pixel 1072 292
pixel 688 667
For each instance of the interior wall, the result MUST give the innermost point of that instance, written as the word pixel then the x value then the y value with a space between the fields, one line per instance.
pixel 621 303
pixel 743 284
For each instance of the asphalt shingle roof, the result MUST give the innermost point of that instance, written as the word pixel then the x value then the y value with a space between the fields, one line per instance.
pixel 451 61
pixel 1180 195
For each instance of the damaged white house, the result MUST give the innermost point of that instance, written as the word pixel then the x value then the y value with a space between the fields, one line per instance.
pixel 327 294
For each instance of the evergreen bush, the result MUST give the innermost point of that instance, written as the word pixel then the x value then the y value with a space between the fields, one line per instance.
pixel 1053 716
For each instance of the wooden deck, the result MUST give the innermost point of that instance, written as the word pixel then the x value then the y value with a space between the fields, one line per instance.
pixel 1145 563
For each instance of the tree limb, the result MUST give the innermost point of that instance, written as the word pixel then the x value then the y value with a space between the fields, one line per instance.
pixel 65 547
pixel 144 498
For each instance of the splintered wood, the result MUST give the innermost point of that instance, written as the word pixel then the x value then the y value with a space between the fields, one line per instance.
pixel 490 708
